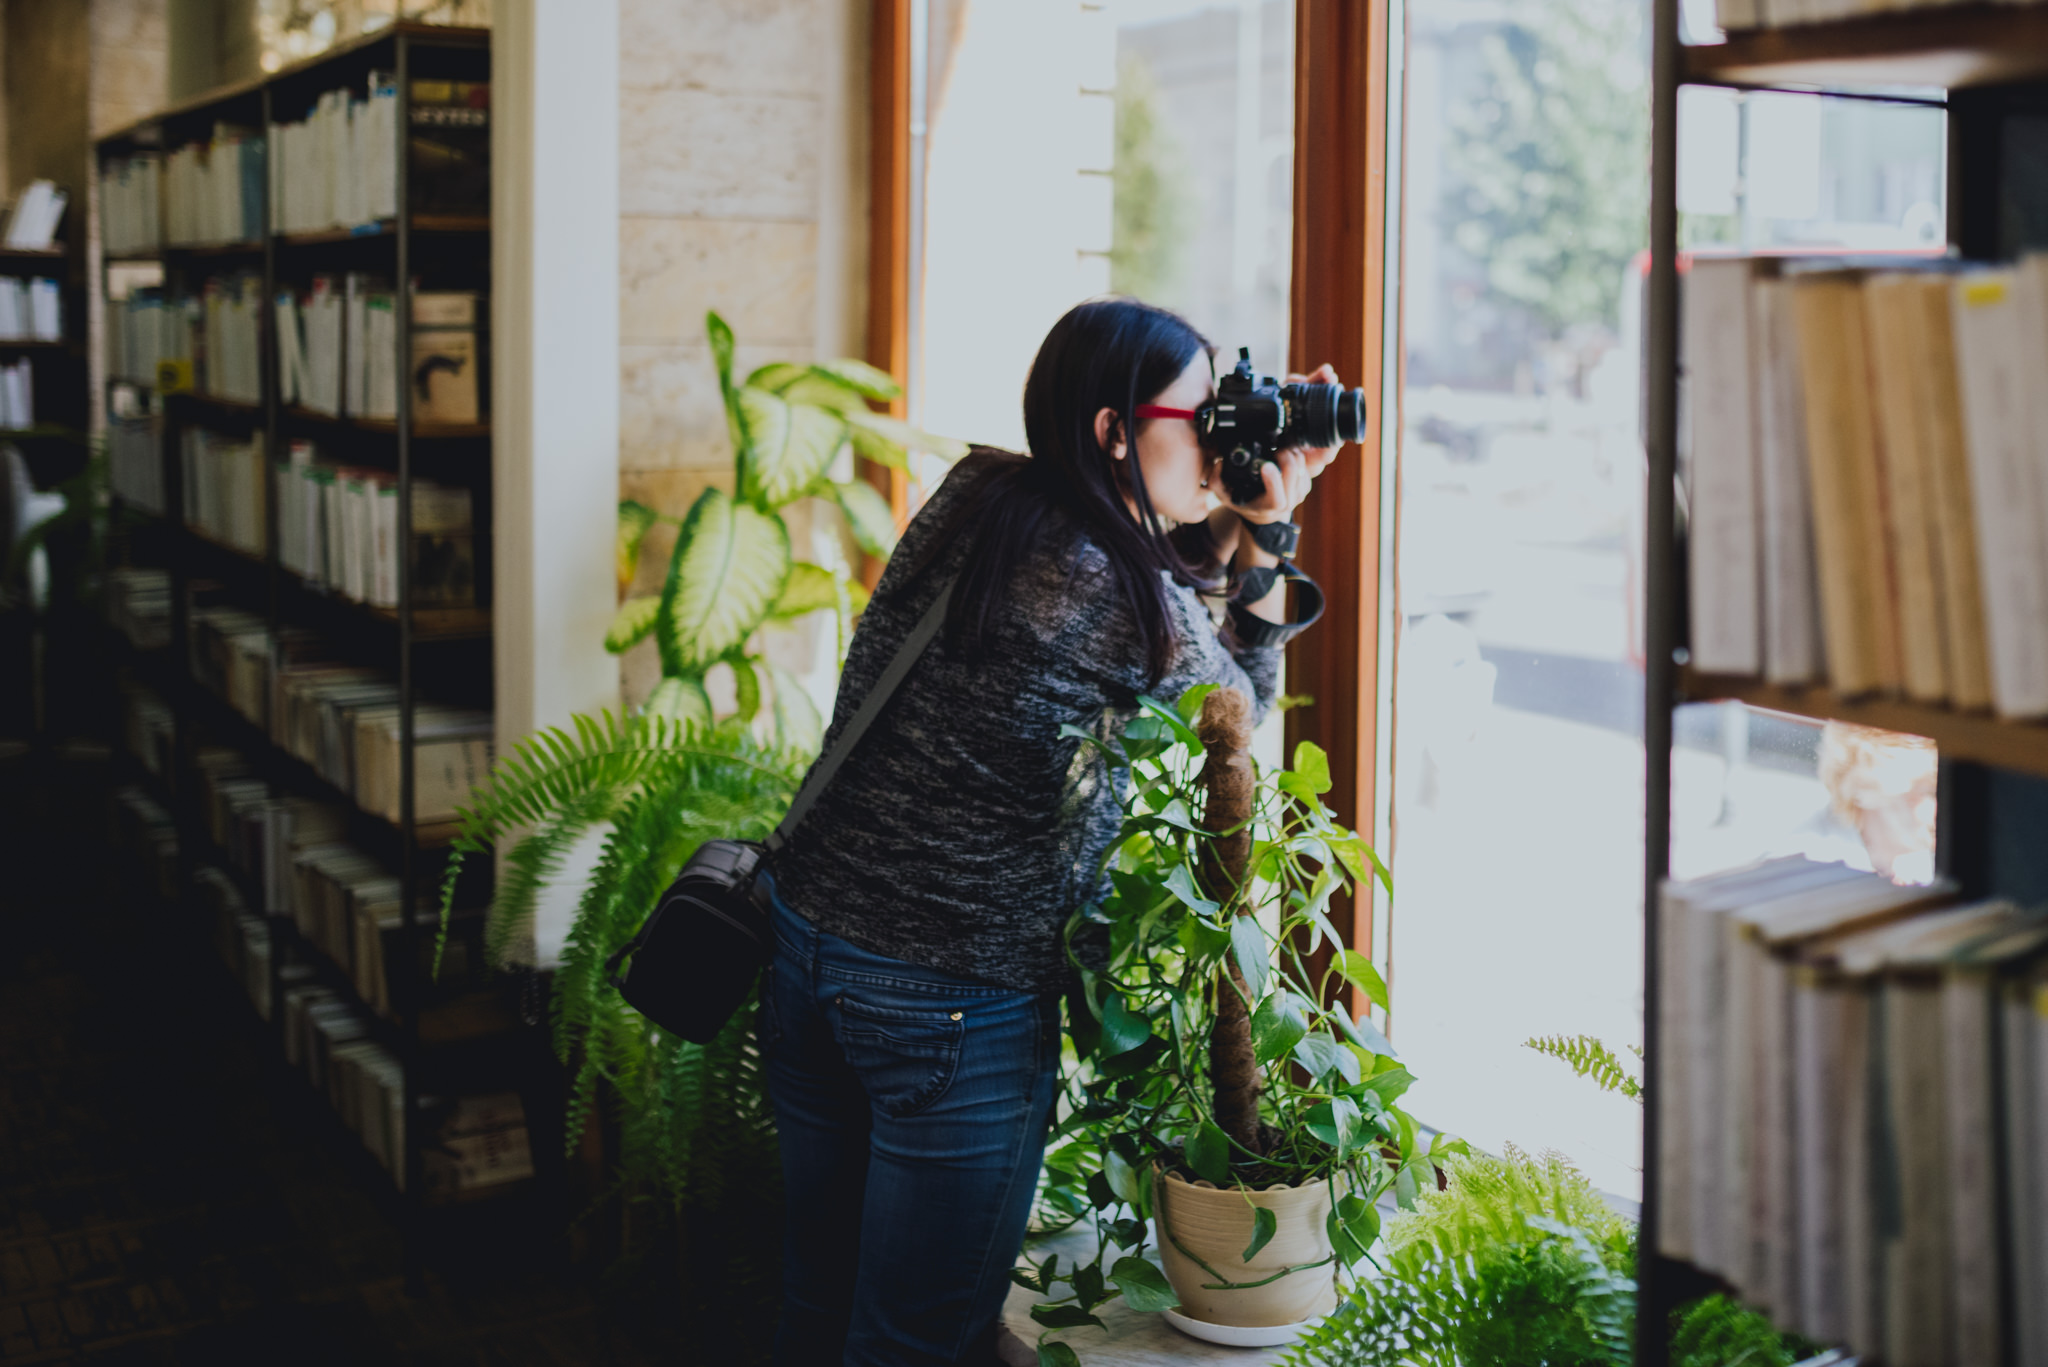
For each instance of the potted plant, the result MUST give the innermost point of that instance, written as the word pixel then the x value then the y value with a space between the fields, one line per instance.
pixel 1224 1100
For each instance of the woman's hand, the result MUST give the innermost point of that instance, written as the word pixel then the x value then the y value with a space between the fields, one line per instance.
pixel 1289 477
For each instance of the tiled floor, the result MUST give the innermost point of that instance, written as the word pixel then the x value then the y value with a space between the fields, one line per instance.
pixel 160 1203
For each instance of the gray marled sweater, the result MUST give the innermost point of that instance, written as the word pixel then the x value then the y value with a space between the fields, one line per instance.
pixel 964 829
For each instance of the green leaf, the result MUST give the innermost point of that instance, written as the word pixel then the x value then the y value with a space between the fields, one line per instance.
pixel 868 516
pixel 1312 764
pixel 1277 1027
pixel 791 444
pixel 680 699
pixel 872 446
pixel 1357 970
pixel 870 382
pixel 1208 1153
pixel 1122 1030
pixel 721 355
pixel 631 623
pixel 1143 1285
pixel 1389 1085
pixel 1356 855
pixel 901 434
pixel 1057 1355
pixel 1319 1055
pixel 1171 718
pixel 634 520
pixel 777 376
pixel 746 685
pixel 1123 1179
pixel 1064 1317
pixel 797 723
pixel 1363 1033
pixel 1264 1225
pixel 809 588
pixel 1175 813
pixel 1181 884
pixel 729 566
pixel 1249 943
pixel 1190 703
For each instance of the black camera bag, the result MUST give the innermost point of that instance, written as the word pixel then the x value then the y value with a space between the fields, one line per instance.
pixel 698 954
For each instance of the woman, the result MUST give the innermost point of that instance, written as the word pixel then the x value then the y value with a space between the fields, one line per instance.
pixel 911 1020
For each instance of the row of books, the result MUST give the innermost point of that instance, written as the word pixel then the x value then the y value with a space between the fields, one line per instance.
pixel 214 335
pixel 33 217
pixel 338 350
pixel 131 222
pixel 338 166
pixel 342 720
pixel 344 902
pixel 1749 14
pixel 1854 1108
pixel 226 488
pixel 135 464
pixel 213 190
pixel 338 531
pixel 1868 471
pixel 147 728
pixel 17 395
pixel 144 329
pixel 31 310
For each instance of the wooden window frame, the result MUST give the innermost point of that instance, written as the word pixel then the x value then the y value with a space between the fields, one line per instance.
pixel 1341 124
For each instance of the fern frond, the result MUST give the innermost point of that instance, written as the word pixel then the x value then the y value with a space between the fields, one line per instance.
pixel 1589 1058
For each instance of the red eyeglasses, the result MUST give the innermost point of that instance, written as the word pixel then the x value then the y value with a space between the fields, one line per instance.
pixel 1153 410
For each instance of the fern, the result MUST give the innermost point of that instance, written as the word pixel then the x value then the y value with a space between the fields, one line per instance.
pixel 1589 1058
pixel 1718 1332
pixel 1519 1260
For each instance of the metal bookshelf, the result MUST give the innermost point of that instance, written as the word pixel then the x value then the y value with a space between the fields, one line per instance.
pixel 446 1047
pixel 1988 64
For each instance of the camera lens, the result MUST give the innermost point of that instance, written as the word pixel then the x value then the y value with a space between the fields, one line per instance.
pixel 1324 414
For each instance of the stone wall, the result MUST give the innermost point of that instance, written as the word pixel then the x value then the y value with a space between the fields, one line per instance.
pixel 742 140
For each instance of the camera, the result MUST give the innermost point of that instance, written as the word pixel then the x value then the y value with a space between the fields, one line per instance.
pixel 1251 421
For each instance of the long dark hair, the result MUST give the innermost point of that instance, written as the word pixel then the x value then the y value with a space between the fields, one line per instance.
pixel 1110 353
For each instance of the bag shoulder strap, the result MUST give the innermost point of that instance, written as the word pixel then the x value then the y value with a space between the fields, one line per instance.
pixel 870 707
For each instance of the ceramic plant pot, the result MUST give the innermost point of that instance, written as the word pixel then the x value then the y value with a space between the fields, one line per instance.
pixel 1215 1225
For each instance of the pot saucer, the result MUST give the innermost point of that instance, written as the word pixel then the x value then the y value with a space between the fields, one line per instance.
pixel 1240 1336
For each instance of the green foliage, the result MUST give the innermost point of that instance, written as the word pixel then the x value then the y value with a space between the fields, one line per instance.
pixel 1550 158
pixel 731 571
pixel 1149 961
pixel 1148 242
pixel 1589 1058
pixel 1517 1261
pixel 1520 1261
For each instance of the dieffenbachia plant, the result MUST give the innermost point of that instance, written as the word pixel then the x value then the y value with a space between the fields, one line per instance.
pixel 732 571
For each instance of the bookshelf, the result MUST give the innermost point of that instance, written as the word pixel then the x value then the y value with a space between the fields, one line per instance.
pixel 264 571
pixel 1988 64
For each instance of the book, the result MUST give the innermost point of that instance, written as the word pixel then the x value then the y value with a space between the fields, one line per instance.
pixel 1993 314
pixel 1722 529
pixel 33 219
pixel 1858 589
pixel 1893 320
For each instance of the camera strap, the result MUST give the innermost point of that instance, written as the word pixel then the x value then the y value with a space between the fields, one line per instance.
pixel 1254 584
pixel 870 707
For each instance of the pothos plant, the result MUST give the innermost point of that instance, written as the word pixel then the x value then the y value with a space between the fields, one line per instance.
pixel 693 1120
pixel 732 570
pixel 1209 1027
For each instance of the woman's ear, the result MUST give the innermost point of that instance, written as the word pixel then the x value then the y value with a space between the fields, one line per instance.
pixel 1109 432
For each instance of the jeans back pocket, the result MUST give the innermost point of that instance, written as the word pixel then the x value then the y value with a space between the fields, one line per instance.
pixel 905 1059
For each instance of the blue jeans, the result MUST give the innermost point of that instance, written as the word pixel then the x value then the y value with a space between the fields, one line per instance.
pixel 913 1108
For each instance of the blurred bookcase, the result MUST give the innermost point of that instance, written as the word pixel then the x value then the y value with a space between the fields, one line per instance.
pixel 277 708
pixel 1987 64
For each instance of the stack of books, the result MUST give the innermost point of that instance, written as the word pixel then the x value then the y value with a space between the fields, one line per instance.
pixel 147 728
pixel 338 531
pixel 338 166
pixel 1854 1089
pixel 31 310
pixel 1867 454
pixel 129 190
pixel 344 721
pixel 226 489
pixel 1749 14
pixel 229 350
pixel 144 329
pixel 138 603
pixel 213 191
